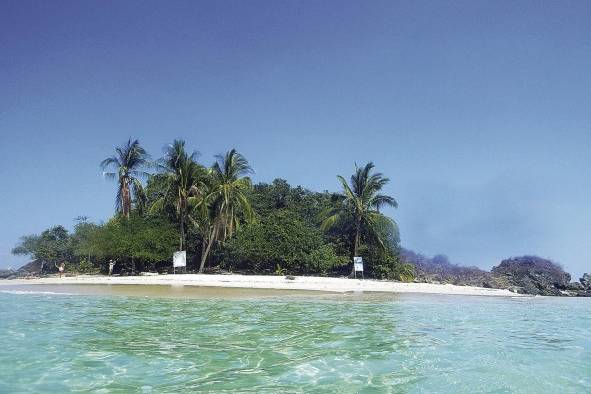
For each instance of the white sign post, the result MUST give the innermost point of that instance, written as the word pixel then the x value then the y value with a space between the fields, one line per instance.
pixel 358 266
pixel 179 259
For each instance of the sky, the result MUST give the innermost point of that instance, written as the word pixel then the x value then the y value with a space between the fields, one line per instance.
pixel 478 111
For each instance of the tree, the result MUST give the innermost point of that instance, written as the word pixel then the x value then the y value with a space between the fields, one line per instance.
pixel 359 206
pixel 218 214
pixel 230 187
pixel 52 246
pixel 280 240
pixel 207 222
pixel 127 166
pixel 143 239
pixel 268 198
pixel 84 230
pixel 184 179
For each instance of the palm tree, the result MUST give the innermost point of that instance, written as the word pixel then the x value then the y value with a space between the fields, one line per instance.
pixel 217 215
pixel 127 166
pixel 230 187
pixel 184 179
pixel 359 205
pixel 204 217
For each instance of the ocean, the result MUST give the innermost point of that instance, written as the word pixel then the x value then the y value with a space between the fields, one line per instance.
pixel 160 339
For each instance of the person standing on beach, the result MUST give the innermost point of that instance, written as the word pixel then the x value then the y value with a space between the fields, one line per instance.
pixel 61 268
pixel 111 266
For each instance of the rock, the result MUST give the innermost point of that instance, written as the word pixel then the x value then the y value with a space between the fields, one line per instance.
pixel 5 274
pixel 586 281
pixel 533 275
pixel 439 269
pixel 575 286
pixel 525 275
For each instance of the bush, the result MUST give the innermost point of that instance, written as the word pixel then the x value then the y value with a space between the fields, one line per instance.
pixel 391 267
pixel 86 267
pixel 280 239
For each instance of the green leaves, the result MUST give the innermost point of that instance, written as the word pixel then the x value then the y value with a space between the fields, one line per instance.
pixel 127 166
pixel 255 228
pixel 359 204
pixel 52 245
pixel 148 238
pixel 184 179
pixel 229 191
pixel 280 239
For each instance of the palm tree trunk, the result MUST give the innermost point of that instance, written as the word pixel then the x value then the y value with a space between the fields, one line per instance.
pixel 225 224
pixel 125 199
pixel 231 223
pixel 205 253
pixel 182 223
pixel 356 242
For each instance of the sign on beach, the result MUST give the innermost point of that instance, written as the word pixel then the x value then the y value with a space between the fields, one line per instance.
pixel 358 262
pixel 179 259
pixel 357 266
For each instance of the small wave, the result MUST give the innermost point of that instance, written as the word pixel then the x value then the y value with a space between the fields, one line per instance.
pixel 32 292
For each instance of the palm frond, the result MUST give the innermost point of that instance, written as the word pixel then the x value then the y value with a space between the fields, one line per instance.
pixel 110 161
pixel 346 189
pixel 246 207
pixel 381 200
pixel 139 195
pixel 330 221
pixel 138 174
pixel 158 205
pixel 109 175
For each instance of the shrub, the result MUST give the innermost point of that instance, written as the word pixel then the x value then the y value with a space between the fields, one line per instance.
pixel 280 239
pixel 86 267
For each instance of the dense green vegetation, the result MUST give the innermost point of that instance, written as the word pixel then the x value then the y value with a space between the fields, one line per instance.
pixel 227 223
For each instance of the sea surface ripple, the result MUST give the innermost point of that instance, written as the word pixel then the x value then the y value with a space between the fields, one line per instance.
pixel 332 343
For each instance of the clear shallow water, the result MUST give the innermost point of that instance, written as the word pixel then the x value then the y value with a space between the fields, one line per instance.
pixel 289 342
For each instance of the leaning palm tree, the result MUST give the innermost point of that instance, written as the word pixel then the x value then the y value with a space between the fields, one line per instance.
pixel 127 165
pixel 205 218
pixel 184 178
pixel 230 186
pixel 359 206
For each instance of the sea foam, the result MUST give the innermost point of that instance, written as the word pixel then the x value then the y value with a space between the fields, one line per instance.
pixel 32 292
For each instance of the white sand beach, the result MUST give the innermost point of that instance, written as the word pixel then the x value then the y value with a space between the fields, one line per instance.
pixel 311 283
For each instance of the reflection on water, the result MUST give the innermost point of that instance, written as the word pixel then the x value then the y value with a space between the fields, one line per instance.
pixel 204 339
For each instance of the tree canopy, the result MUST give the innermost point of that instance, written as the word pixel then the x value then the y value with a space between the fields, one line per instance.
pixel 127 164
pixel 280 241
pixel 52 245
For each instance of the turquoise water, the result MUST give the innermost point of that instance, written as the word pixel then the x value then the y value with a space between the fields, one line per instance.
pixel 292 343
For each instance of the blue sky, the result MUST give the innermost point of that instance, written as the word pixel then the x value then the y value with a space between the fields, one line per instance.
pixel 478 111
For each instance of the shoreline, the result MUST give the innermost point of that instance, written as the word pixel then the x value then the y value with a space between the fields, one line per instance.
pixel 305 283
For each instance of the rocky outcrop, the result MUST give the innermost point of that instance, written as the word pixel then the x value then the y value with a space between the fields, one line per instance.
pixel 439 269
pixel 534 275
pixel 31 269
pixel 4 274
pixel 586 281
pixel 582 288
pixel 526 275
